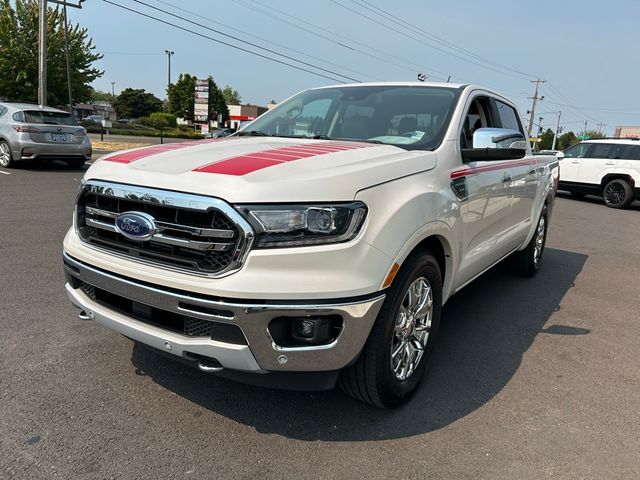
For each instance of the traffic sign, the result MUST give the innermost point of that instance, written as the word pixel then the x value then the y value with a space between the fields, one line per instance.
pixel 584 137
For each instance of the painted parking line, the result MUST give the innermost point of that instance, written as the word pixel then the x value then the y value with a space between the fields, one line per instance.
pixel 5 173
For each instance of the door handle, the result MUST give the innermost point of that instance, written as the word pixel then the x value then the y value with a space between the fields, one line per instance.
pixel 609 163
pixel 532 171
pixel 575 162
pixel 507 178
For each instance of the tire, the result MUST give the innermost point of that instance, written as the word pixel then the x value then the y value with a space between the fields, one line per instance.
pixel 76 162
pixel 617 193
pixel 575 194
pixel 372 378
pixel 6 159
pixel 527 262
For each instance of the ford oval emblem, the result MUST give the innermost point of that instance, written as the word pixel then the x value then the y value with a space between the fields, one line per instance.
pixel 136 225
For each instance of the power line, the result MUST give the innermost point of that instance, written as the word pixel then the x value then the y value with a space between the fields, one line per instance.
pixel 248 34
pixel 129 53
pixel 269 50
pixel 419 40
pixel 179 27
pixel 403 23
pixel 297 21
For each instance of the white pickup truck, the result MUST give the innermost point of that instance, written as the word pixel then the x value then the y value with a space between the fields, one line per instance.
pixel 319 246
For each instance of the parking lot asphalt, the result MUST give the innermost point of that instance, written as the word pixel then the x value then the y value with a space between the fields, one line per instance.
pixel 531 379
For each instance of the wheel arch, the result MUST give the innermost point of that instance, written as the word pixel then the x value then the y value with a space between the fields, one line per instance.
pixel 617 176
pixel 438 244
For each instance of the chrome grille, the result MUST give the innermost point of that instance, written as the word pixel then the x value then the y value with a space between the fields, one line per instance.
pixel 193 233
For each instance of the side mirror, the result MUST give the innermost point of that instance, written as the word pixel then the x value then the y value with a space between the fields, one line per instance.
pixel 560 155
pixel 496 144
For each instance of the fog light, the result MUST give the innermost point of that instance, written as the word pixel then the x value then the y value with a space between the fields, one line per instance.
pixel 305 327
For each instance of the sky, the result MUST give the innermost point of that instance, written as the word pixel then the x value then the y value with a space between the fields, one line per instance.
pixel 586 51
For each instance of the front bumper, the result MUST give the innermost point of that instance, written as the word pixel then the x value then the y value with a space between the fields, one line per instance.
pixel 260 354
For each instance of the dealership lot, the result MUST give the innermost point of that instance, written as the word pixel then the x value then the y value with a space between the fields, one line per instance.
pixel 531 378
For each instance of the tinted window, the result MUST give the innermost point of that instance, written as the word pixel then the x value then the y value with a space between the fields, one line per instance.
pixel 577 151
pixel 601 150
pixel 18 117
pixel 3 110
pixel 632 152
pixel 508 116
pixel 51 118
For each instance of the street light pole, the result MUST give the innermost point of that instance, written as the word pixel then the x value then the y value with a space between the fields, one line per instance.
pixel 555 134
pixel 66 54
pixel 169 53
pixel 42 54
pixel 113 89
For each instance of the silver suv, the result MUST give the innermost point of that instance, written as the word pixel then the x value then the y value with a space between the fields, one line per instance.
pixel 31 131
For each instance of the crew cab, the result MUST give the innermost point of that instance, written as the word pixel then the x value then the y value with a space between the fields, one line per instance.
pixel 606 167
pixel 318 245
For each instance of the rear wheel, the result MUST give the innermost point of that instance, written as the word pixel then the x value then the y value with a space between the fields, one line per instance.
pixel 617 193
pixel 6 159
pixel 527 262
pixel 400 345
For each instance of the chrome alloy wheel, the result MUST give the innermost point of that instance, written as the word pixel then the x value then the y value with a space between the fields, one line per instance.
pixel 5 155
pixel 411 329
pixel 540 232
pixel 614 193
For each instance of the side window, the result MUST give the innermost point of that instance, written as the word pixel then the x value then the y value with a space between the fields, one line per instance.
pixel 601 150
pixel 508 116
pixel 577 151
pixel 3 110
pixel 478 116
pixel 18 117
pixel 632 152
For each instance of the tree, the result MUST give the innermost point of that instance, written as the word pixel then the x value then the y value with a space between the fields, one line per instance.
pixel 19 57
pixel 594 134
pixel 231 96
pixel 566 140
pixel 101 96
pixel 182 95
pixel 135 102
pixel 546 140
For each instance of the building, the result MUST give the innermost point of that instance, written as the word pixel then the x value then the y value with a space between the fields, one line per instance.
pixel 627 132
pixel 104 109
pixel 241 113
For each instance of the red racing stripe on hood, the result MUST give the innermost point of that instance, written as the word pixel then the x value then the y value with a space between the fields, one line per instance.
pixel 251 162
pixel 132 156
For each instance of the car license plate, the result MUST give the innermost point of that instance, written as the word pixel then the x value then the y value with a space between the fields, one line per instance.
pixel 59 137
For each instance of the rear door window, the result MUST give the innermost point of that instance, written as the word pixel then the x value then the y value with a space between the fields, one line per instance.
pixel 48 118
pixel 601 150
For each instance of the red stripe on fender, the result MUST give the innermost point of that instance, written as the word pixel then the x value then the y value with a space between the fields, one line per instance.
pixel 251 162
pixel 489 168
pixel 128 157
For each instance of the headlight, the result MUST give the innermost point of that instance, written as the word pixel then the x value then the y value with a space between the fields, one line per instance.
pixel 301 225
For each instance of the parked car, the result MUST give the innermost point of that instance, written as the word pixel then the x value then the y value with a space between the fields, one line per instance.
pixel 546 152
pixel 220 132
pixel 32 131
pixel 319 246
pixel 606 167
pixel 94 118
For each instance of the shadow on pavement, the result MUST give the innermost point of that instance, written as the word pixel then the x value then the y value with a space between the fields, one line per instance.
pixel 486 329
pixel 595 200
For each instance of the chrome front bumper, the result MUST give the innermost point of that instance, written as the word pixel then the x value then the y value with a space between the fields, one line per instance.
pixel 260 355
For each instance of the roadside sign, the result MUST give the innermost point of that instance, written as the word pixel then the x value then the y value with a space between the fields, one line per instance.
pixel 584 137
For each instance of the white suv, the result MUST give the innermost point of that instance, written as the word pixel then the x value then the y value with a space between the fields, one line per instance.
pixel 607 167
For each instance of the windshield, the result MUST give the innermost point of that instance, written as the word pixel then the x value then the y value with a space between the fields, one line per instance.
pixel 411 117
pixel 50 118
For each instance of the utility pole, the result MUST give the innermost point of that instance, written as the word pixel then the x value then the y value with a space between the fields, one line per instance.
pixel 555 134
pixel 584 132
pixel 535 99
pixel 66 55
pixel 113 89
pixel 169 53
pixel 42 54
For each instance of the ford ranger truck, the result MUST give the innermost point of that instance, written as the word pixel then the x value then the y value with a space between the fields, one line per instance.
pixel 317 246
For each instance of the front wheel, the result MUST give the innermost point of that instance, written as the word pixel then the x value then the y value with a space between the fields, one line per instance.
pixel 6 159
pixel 617 194
pixel 400 345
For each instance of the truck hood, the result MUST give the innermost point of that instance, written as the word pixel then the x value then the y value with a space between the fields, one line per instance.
pixel 263 169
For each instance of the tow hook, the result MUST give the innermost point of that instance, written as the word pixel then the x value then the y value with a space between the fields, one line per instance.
pixel 209 367
pixel 85 316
